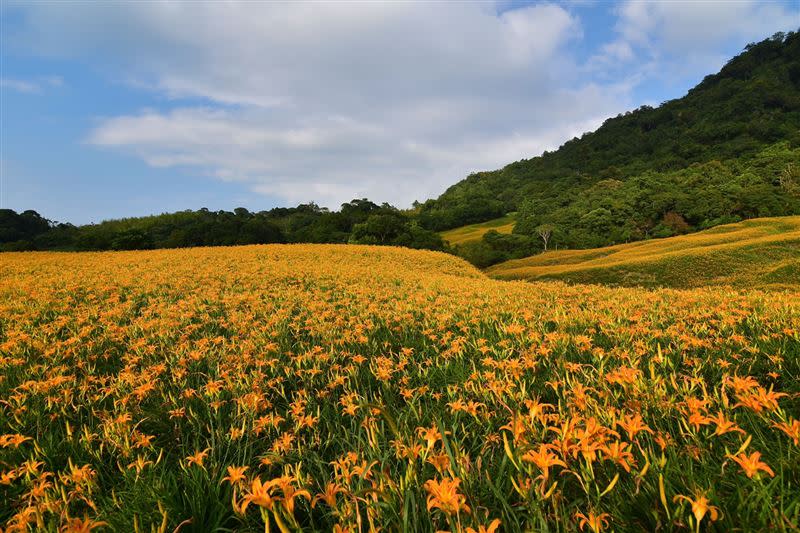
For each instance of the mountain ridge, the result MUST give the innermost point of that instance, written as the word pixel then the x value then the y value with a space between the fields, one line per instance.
pixel 750 109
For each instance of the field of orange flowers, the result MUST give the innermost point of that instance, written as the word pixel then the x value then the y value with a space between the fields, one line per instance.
pixel 348 388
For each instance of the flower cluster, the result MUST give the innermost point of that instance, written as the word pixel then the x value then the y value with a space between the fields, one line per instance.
pixel 354 388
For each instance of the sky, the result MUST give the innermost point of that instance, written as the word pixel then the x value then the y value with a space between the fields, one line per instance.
pixel 116 109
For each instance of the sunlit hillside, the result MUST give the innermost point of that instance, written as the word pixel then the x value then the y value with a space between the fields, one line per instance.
pixel 355 388
pixel 718 151
pixel 755 253
pixel 474 232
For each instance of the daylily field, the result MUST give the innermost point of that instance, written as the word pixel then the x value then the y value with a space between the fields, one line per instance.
pixel 352 388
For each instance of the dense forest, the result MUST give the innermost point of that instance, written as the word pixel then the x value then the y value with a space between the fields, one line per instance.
pixel 728 150
pixel 358 221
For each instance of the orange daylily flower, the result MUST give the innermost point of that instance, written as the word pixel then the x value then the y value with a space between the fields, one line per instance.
pixel 700 507
pixel 752 464
pixel 792 429
pixel 328 495
pixel 290 492
pixel 260 494
pixel 543 458
pixel 491 528
pixel 78 525
pixel 724 425
pixel 596 522
pixel 617 451
pixel 633 425
pixel 197 458
pixel 8 441
pixel 443 494
pixel 235 474
pixel 431 436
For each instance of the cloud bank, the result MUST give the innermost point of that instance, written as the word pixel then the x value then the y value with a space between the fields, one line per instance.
pixel 394 101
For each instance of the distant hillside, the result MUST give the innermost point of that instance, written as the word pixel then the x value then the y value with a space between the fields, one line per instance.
pixel 754 253
pixel 728 150
pixel 474 232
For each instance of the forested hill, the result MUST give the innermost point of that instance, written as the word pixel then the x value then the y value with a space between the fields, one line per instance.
pixel 749 110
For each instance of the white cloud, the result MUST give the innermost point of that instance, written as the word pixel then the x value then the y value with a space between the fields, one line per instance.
pixel 20 86
pixel 31 86
pixel 392 100
pixel 331 159
pixel 689 34
pixel 683 26
pixel 325 101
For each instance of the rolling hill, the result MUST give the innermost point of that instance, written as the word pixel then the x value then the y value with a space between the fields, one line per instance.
pixel 754 253
pixel 331 387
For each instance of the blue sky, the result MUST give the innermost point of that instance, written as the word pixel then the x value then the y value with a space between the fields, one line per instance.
pixel 132 108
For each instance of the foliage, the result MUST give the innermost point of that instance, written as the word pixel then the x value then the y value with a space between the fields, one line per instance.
pixel 391 227
pixel 21 227
pixel 754 253
pixel 495 247
pixel 317 386
pixel 724 152
pixel 304 223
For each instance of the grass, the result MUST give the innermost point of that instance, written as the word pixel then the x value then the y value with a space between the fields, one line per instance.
pixel 474 232
pixel 755 253
pixel 351 388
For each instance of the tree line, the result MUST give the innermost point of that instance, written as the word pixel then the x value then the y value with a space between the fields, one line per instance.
pixel 359 222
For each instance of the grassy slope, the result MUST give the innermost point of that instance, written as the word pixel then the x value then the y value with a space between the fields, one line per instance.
pixel 474 232
pixel 760 252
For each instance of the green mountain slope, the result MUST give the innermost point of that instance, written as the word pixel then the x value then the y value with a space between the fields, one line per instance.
pixel 761 252
pixel 726 151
